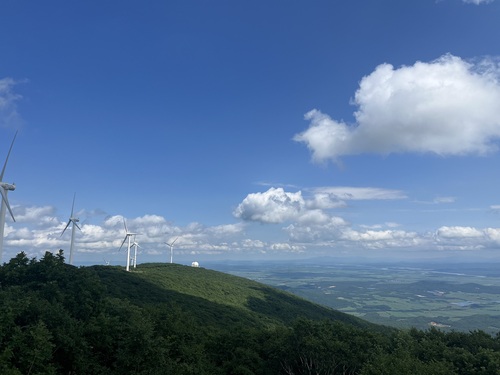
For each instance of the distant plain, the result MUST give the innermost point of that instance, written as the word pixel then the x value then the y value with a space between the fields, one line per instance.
pixel 460 297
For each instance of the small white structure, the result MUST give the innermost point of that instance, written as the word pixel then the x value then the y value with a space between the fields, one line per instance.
pixel 195 264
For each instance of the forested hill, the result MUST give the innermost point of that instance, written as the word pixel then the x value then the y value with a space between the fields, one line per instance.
pixel 172 319
pixel 215 298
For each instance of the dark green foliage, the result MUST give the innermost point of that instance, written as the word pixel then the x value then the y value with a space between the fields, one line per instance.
pixel 171 319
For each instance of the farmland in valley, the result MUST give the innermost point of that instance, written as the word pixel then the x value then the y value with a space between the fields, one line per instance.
pixel 460 297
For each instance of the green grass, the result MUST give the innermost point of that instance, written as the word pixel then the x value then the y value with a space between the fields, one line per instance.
pixel 215 297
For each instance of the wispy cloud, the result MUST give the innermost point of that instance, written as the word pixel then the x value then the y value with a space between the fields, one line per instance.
pixel 438 200
pixel 8 103
pixel 448 107
pixel 478 2
pixel 361 193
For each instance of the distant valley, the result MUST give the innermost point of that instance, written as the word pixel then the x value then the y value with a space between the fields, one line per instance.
pixel 460 297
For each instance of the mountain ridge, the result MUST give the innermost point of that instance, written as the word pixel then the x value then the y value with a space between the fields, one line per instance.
pixel 201 287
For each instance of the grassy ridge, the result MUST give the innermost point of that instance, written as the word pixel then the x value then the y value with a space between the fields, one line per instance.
pixel 215 297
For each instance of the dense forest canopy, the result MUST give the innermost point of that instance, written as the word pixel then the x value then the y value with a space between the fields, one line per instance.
pixel 161 319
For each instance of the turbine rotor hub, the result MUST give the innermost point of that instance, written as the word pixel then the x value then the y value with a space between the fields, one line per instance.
pixel 7 186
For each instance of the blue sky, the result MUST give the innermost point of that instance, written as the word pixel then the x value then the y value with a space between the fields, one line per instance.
pixel 253 130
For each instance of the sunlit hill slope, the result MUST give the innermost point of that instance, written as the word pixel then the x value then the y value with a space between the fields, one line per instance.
pixel 215 297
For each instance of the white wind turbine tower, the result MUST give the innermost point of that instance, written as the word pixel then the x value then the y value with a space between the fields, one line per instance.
pixel 135 244
pixel 73 220
pixel 171 248
pixel 4 189
pixel 127 236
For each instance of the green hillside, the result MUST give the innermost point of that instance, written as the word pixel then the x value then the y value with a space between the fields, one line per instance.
pixel 172 319
pixel 215 297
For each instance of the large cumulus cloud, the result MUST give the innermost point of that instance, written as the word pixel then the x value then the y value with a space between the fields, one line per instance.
pixel 448 107
pixel 273 206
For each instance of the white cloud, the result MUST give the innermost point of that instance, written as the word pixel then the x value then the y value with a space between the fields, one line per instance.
pixel 313 217
pixel 377 235
pixel 285 246
pixel 278 206
pixel 309 229
pixel 8 99
pixel 316 232
pixel 253 244
pixel 148 220
pixel 477 2
pixel 447 107
pixel 41 216
pixel 439 200
pixel 226 229
pixel 312 224
pixel 38 230
pixel 311 221
pixel 338 234
pixel 360 193
pixel 380 226
pixel 113 221
pixel 459 232
pixel 467 238
pixel 493 234
pixel 273 206
pixel 324 200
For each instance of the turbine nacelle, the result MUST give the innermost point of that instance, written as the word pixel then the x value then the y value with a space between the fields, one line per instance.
pixel 7 186
pixel 74 221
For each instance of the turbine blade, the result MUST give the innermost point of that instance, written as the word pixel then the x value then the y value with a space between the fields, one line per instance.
pixel 175 240
pixel 75 224
pixel 125 239
pixel 73 205
pixel 6 201
pixel 125 225
pixel 7 159
pixel 66 227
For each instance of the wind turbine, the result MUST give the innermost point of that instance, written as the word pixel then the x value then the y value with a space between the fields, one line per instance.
pixel 135 245
pixel 127 236
pixel 73 220
pixel 171 248
pixel 4 189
